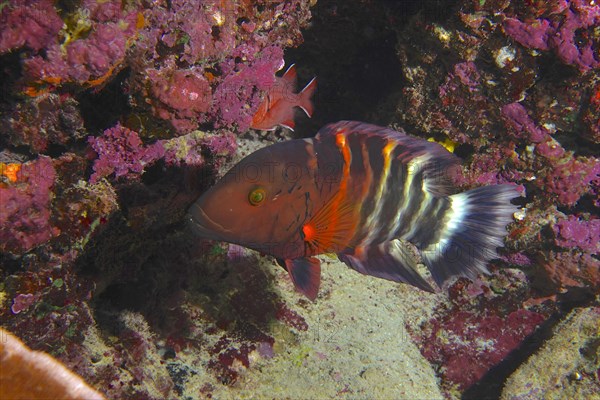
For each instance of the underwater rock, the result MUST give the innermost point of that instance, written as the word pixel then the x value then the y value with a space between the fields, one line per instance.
pixel 39 122
pixel 481 324
pixel 567 365
pixel 25 212
pixel 514 114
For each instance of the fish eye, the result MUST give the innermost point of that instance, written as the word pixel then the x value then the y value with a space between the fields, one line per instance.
pixel 257 196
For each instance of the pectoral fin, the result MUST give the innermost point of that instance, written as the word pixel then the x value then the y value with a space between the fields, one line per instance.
pixel 306 275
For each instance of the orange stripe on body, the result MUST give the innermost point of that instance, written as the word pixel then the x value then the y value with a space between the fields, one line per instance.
pixel 387 151
pixel 333 225
pixel 340 140
pixel 373 223
pixel 341 195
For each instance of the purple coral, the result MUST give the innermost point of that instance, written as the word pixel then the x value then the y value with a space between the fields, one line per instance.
pixel 22 302
pixel 562 33
pixel 122 153
pixel 181 96
pixel 533 35
pixel 522 124
pixel 520 259
pixel 568 178
pixel 87 58
pixel 188 149
pixel 232 50
pixel 575 232
pixel 25 212
pixel 572 178
pixel 29 23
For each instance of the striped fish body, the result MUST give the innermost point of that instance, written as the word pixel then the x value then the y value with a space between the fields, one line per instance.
pixel 380 179
pixel 374 196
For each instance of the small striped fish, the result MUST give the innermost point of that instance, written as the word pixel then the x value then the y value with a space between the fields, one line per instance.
pixel 376 197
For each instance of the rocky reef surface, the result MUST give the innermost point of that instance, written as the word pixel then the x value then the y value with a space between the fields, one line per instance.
pixel 117 114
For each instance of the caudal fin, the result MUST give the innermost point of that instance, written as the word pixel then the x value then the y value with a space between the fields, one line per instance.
pixel 475 228
pixel 306 95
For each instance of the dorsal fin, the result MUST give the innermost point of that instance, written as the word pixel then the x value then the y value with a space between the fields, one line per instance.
pixel 291 77
pixel 305 97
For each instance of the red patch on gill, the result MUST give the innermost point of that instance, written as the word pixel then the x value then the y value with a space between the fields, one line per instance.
pixel 309 232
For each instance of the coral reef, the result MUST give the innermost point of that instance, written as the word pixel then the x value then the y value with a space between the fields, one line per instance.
pixel 474 79
pixel 102 103
pixel 25 211
pixel 215 68
pixel 121 152
pixel 574 232
pixel 180 96
pixel 480 325
pixel 116 114
pixel 513 86
pixel 566 29
pixel 89 48
pixel 49 119
pixel 30 23
pixel 211 69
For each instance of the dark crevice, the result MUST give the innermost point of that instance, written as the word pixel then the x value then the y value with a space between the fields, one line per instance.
pixel 103 109
pixel 361 70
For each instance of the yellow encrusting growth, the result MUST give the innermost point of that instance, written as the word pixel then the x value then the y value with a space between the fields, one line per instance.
pixel 448 144
pixel 10 171
pixel 77 26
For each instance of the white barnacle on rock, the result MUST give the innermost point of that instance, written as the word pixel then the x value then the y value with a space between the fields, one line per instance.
pixel 504 55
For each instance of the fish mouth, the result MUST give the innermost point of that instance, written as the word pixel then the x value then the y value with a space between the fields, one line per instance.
pixel 203 226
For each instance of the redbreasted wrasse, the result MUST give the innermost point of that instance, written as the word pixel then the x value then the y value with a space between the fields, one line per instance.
pixel 278 106
pixel 374 196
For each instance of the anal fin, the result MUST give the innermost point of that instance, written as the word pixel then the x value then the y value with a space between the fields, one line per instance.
pixel 391 260
pixel 289 123
pixel 306 275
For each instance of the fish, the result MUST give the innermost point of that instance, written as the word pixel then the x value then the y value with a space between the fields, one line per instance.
pixel 278 105
pixel 378 198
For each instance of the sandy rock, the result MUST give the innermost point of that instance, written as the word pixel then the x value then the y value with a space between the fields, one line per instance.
pixel 566 367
